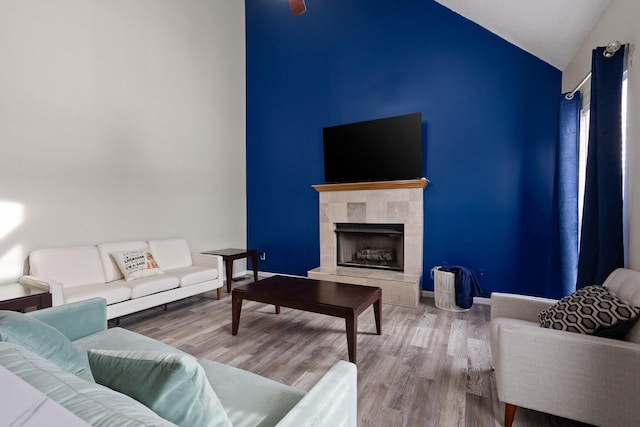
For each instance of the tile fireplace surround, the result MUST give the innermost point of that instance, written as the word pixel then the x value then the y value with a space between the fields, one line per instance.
pixel 388 202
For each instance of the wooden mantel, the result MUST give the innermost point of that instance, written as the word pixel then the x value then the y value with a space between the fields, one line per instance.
pixel 376 185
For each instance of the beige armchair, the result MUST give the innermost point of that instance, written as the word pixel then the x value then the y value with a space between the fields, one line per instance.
pixel 581 377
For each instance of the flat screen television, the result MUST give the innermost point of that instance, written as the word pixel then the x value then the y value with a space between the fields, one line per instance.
pixel 386 149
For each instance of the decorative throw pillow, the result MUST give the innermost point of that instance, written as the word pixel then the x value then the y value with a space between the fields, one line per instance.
pixel 174 386
pixel 96 404
pixel 591 310
pixel 136 264
pixel 41 339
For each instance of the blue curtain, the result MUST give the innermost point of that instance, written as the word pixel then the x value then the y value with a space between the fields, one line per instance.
pixel 563 253
pixel 601 241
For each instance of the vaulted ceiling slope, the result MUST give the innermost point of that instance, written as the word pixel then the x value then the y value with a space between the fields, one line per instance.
pixel 552 30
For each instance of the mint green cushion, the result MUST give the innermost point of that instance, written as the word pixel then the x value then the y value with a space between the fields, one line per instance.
pixel 249 399
pixel 97 405
pixel 119 339
pixel 173 385
pixel 42 339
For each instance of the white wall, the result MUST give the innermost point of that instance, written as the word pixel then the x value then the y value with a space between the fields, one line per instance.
pixel 120 120
pixel 619 22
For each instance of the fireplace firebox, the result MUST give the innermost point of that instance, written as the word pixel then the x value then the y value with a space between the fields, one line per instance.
pixel 378 246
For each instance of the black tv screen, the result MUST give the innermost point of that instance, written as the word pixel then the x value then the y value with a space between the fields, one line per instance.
pixel 385 149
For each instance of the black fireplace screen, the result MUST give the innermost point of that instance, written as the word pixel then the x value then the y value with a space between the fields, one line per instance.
pixel 370 245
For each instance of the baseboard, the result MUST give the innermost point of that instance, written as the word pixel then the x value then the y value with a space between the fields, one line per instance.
pixel 482 300
pixel 476 300
pixel 427 294
pixel 263 274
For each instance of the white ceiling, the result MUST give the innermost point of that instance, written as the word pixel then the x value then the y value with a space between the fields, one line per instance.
pixel 552 30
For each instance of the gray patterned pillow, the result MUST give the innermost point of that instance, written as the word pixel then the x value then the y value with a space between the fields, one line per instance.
pixel 592 310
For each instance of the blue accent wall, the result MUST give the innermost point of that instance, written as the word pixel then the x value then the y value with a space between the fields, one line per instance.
pixel 490 118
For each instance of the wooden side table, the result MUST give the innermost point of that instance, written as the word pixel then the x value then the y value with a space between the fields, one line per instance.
pixel 16 297
pixel 231 254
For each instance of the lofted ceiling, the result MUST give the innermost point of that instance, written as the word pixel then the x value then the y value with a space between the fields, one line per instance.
pixel 551 30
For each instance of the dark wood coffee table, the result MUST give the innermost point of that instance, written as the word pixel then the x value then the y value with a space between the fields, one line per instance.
pixel 317 296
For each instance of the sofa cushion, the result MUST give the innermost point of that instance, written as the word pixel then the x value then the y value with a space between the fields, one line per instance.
pixel 591 310
pixel 97 405
pixel 42 339
pixel 70 266
pixel 249 399
pixel 149 285
pixel 136 264
pixel 112 292
pixel 173 385
pixel 122 339
pixel 111 270
pixel 171 253
pixel 191 275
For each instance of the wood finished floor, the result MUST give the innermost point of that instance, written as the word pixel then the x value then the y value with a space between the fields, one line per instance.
pixel 428 368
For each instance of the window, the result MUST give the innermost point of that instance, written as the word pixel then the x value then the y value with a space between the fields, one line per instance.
pixel 625 183
pixel 583 147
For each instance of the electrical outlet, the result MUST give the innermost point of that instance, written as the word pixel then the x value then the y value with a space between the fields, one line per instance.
pixel 263 256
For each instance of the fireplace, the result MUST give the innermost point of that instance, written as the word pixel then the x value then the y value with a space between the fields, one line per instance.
pixel 362 206
pixel 379 246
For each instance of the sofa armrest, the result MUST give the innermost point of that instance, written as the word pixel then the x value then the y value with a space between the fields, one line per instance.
pixel 211 261
pixel 41 284
pixel 76 320
pixel 581 377
pixel 333 401
pixel 521 307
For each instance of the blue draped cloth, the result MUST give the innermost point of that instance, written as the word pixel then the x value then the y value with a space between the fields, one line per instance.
pixel 467 285
pixel 602 241
pixel 562 265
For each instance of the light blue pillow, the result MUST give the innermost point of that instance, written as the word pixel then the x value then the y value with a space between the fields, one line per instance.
pixel 99 406
pixel 174 386
pixel 41 339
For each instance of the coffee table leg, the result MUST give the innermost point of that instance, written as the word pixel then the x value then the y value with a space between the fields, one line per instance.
pixel 277 309
pixel 236 308
pixel 352 330
pixel 377 312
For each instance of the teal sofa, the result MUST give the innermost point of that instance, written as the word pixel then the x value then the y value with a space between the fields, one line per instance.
pixel 247 399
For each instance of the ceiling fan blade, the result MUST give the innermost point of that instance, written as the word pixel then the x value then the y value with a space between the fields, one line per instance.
pixel 297 7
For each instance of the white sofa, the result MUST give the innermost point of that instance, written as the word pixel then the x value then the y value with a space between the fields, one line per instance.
pixel 83 272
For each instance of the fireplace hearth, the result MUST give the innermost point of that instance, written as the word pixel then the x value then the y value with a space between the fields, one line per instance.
pixel 379 246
